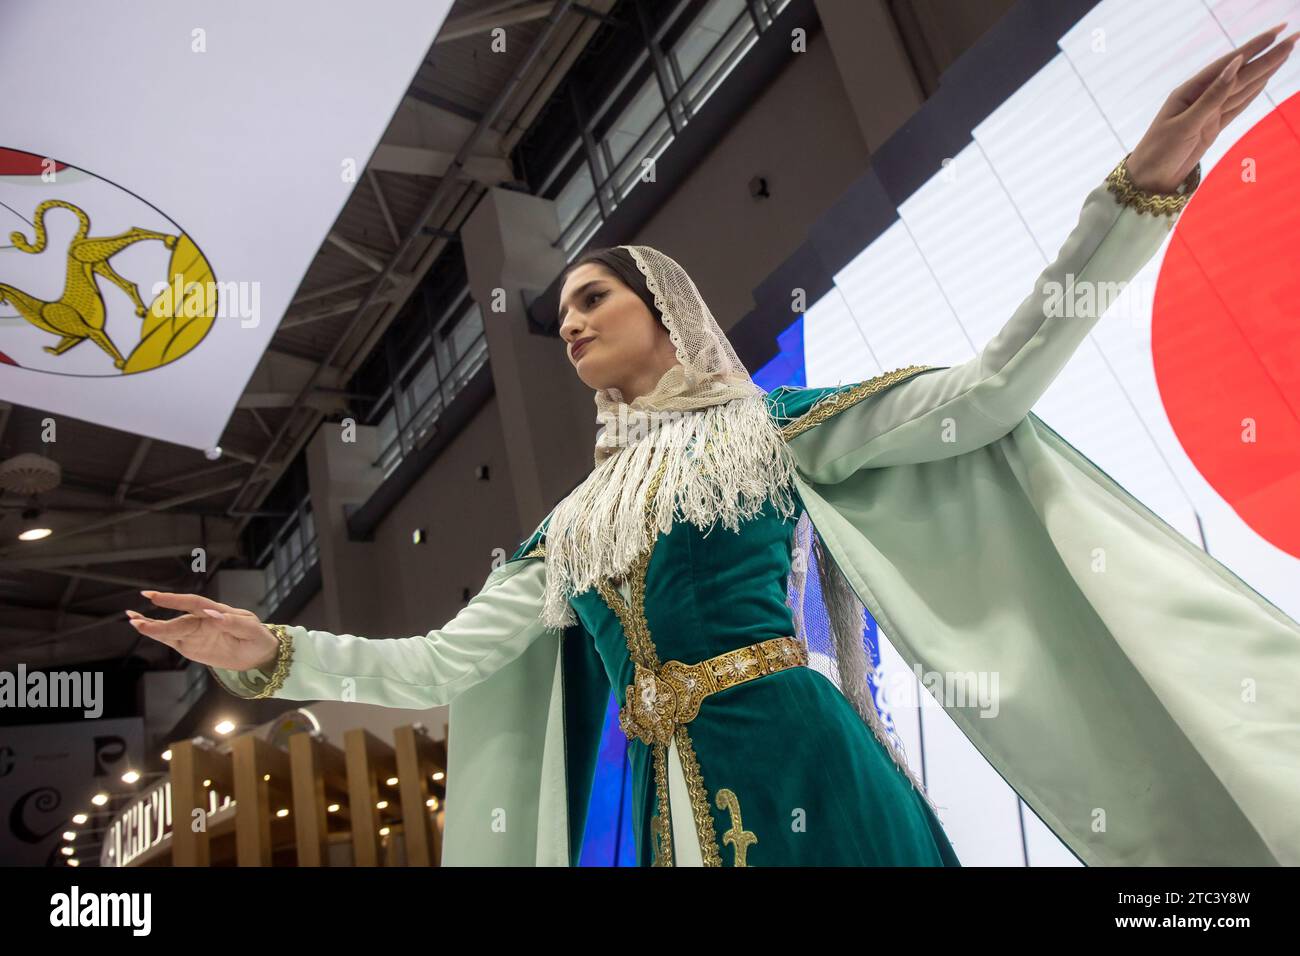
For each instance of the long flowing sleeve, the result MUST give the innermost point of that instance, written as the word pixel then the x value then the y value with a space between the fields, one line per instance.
pixel 419 672
pixel 939 413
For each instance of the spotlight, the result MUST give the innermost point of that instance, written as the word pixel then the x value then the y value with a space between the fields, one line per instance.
pixel 32 527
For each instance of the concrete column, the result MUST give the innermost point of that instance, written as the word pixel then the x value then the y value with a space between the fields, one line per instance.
pixel 872 64
pixel 340 471
pixel 239 588
pixel 548 417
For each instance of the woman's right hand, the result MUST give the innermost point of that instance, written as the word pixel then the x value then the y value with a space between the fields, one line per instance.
pixel 210 632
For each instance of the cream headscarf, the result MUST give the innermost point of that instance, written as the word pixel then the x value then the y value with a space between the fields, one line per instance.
pixel 705 421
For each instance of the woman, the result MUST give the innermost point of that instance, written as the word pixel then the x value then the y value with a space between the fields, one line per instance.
pixel 675 575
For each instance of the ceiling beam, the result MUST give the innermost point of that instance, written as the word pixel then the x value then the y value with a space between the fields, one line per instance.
pixel 76 494
pixel 419 161
pixel 75 560
pixel 331 289
pixel 426 119
pixel 325 400
pixel 280 363
pixel 324 312
pixel 187 476
pixel 355 251
pixel 65 599
pixel 141 510
pixel 424 100
pixel 261 422
pixel 137 459
pixel 540 88
pixel 481 21
pixel 384 211
pixel 79 574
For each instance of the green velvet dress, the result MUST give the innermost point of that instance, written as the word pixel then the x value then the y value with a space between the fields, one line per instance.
pixel 781 767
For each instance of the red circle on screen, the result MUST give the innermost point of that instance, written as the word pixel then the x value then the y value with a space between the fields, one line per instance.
pixel 1225 327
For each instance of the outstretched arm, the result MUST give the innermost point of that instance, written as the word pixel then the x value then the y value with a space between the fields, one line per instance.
pixel 949 411
pixel 427 670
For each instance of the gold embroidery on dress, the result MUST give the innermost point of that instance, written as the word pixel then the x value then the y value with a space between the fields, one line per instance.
pixel 836 402
pixel 699 798
pixel 661 827
pixel 641 648
pixel 737 836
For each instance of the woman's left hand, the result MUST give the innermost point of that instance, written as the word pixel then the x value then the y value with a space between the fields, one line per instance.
pixel 1196 112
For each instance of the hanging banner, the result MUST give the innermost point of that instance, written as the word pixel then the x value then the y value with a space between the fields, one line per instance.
pixel 153 233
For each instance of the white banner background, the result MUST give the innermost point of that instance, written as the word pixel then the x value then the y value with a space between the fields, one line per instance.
pixel 242 145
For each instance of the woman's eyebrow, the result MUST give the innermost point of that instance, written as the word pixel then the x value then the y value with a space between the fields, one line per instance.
pixel 577 294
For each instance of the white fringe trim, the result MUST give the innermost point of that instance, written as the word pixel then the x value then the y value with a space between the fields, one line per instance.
pixel 723 463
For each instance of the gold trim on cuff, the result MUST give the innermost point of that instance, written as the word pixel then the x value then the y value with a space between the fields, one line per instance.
pixel 250 683
pixel 1144 200
pixel 283 659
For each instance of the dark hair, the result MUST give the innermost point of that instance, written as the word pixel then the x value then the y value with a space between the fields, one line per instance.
pixel 619 261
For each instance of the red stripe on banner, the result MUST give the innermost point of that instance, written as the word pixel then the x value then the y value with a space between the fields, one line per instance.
pixel 16 163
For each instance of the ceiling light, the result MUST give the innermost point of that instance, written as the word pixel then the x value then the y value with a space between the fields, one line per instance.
pixel 32 527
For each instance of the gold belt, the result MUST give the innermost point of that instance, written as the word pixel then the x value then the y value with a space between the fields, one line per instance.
pixel 656 703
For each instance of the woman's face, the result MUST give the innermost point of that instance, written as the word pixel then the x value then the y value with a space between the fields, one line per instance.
pixel 618 341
